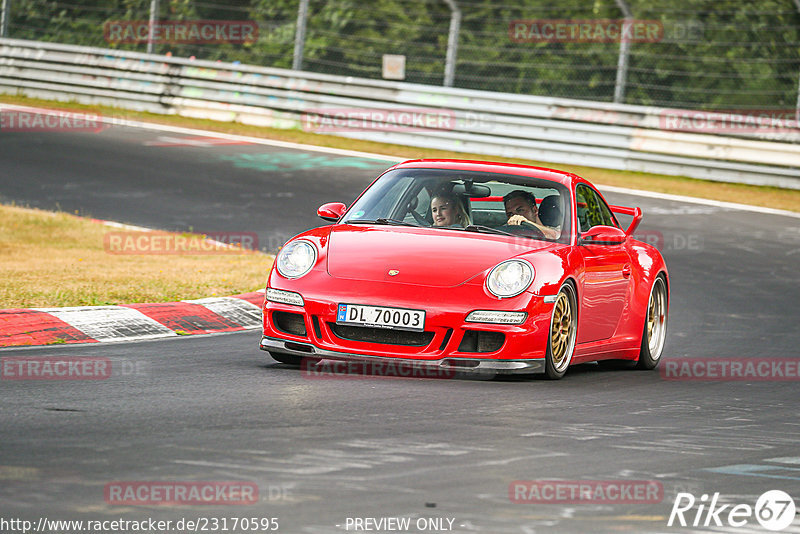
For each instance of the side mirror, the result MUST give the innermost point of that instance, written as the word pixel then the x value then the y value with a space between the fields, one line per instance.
pixel 332 211
pixel 602 235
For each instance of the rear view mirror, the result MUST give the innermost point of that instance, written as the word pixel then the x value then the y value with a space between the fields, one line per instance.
pixel 332 211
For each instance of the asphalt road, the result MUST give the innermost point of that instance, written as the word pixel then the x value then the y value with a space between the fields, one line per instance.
pixel 322 451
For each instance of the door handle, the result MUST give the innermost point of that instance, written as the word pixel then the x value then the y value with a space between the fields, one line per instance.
pixel 626 270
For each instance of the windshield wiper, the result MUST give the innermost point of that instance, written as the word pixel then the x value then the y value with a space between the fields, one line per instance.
pixel 395 222
pixel 381 220
pixel 486 230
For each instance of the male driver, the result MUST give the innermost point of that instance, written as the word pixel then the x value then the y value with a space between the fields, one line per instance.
pixel 521 210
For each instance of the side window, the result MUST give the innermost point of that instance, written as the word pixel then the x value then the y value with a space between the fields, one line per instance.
pixel 384 199
pixel 591 209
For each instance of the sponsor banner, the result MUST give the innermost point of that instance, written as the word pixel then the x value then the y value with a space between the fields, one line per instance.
pixel 585 31
pixel 732 369
pixel 166 493
pixel 586 491
pixel 321 120
pixel 165 243
pixel 181 31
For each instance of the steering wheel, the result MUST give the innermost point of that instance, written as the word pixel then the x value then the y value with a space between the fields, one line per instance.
pixel 419 218
pixel 411 208
pixel 526 229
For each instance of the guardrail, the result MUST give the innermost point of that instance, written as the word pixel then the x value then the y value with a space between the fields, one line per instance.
pixel 596 134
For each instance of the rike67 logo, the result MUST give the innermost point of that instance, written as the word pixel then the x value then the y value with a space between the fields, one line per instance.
pixel 774 510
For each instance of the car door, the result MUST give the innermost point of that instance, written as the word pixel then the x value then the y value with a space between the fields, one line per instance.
pixel 607 269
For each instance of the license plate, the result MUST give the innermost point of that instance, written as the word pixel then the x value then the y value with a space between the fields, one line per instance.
pixel 381 317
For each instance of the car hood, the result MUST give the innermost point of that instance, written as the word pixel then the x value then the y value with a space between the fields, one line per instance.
pixel 421 256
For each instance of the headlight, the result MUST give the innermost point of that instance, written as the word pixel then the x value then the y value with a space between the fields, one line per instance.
pixel 296 259
pixel 509 278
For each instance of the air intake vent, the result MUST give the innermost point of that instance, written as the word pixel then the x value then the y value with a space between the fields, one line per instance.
pixel 480 341
pixel 382 335
pixel 289 323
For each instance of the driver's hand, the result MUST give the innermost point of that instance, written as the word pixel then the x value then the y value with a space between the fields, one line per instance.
pixel 516 220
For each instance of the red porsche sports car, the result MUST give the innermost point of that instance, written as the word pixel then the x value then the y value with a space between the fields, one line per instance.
pixel 470 266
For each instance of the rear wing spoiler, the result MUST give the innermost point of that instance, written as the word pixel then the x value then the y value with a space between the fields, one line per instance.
pixel 635 212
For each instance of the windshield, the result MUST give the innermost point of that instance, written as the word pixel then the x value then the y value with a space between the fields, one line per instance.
pixel 468 201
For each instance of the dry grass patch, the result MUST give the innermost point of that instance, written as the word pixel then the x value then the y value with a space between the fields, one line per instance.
pixel 57 259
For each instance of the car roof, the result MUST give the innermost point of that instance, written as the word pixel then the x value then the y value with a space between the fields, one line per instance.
pixel 562 177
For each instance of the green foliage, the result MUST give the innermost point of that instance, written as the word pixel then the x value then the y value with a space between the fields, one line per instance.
pixel 718 54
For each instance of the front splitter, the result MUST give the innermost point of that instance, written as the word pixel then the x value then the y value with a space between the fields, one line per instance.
pixel 460 365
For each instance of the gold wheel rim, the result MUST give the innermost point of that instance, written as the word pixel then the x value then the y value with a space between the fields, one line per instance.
pixel 561 330
pixel 656 317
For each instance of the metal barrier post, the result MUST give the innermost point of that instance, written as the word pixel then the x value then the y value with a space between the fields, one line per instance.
pixel 300 35
pixel 152 25
pixel 797 107
pixel 5 14
pixel 624 52
pixel 452 43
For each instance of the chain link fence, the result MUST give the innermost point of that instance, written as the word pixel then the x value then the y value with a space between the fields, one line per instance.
pixel 696 54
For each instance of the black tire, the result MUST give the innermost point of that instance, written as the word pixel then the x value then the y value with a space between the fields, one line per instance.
pixel 647 360
pixel 654 333
pixel 562 333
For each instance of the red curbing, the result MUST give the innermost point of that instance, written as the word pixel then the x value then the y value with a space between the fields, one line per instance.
pixel 92 324
pixel 256 297
pixel 186 318
pixel 31 327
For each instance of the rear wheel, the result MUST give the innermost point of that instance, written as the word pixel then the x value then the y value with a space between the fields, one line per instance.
pixel 655 325
pixel 563 327
pixel 653 333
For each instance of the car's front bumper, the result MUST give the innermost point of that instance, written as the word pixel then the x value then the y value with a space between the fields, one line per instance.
pixel 447 364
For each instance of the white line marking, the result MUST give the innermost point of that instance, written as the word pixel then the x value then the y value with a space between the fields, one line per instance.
pixel 707 202
pixel 794 460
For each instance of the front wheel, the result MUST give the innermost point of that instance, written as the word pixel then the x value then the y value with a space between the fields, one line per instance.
pixel 563 328
pixel 655 326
